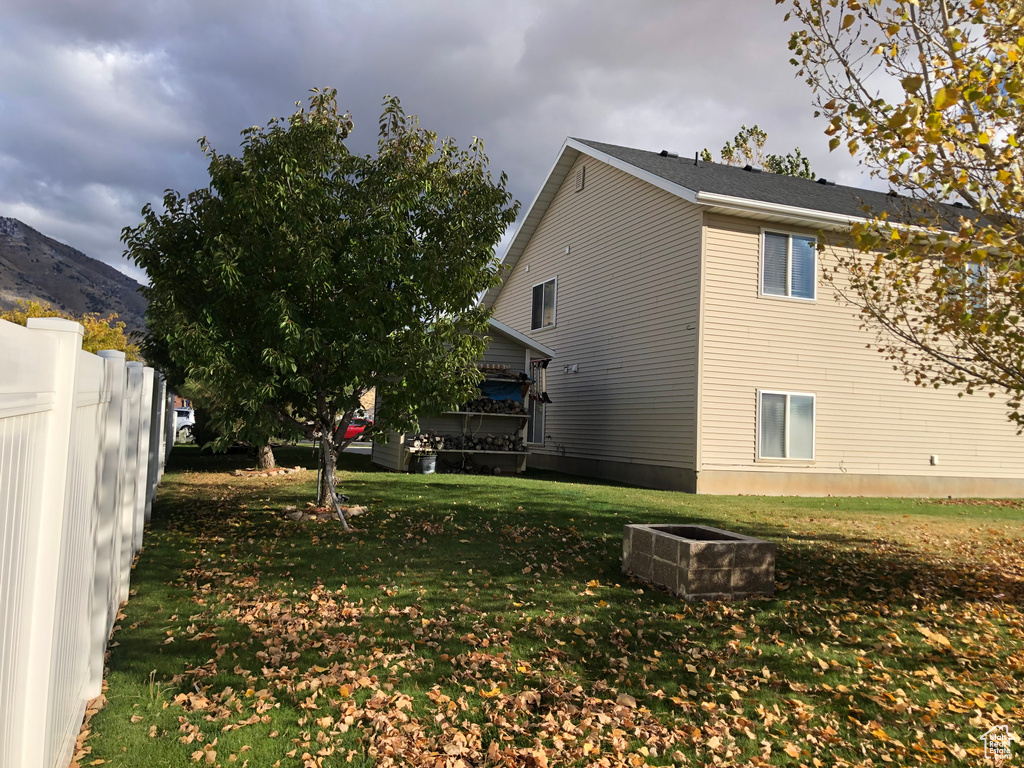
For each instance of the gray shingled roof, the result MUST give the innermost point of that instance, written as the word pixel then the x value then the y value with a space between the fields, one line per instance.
pixel 765 187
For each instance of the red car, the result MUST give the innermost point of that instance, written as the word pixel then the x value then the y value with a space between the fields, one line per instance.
pixel 355 429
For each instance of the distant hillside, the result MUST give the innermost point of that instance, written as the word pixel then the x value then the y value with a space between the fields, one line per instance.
pixel 37 268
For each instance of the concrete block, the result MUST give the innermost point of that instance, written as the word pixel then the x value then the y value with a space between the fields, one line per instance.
pixel 759 580
pixel 640 565
pixel 667 548
pixel 711 554
pixel 642 541
pixel 665 574
pixel 754 555
pixel 705 581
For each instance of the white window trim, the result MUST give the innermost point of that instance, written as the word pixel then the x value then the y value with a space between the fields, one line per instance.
pixel 529 427
pixel 542 409
pixel 814 426
pixel 980 278
pixel 789 266
pixel 554 306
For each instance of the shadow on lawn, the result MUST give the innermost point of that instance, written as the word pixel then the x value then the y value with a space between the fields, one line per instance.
pixel 829 564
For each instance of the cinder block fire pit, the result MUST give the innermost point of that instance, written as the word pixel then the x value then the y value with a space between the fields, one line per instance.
pixel 698 562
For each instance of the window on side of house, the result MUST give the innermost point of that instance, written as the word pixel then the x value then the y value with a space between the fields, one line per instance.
pixel 785 425
pixel 543 305
pixel 788 265
pixel 975 290
pixel 535 427
pixel 537 406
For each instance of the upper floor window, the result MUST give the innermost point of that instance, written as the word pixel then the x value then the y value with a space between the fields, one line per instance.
pixel 788 265
pixel 974 278
pixel 543 305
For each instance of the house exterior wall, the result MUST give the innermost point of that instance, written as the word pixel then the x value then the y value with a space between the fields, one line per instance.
pixel 626 315
pixel 502 351
pixel 875 433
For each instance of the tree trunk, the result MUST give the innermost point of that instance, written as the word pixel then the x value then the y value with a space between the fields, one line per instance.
pixel 325 492
pixel 265 457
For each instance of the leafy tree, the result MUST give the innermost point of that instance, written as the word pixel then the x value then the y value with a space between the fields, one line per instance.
pixel 305 275
pixel 929 95
pixel 747 148
pixel 100 332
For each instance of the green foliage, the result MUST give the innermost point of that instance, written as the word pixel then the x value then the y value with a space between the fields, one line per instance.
pixel 791 164
pixel 929 95
pixel 305 275
pixel 100 332
pixel 747 148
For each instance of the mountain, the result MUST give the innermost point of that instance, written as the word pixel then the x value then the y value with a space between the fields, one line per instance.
pixel 35 267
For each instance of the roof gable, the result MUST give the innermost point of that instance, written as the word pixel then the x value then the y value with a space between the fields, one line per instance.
pixel 719 188
pixel 521 338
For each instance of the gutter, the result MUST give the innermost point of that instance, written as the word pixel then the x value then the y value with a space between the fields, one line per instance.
pixel 804 215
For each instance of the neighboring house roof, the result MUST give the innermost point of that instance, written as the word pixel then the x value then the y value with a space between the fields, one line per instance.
pixel 521 338
pixel 719 188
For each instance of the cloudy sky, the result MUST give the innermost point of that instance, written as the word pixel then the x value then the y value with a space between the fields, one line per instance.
pixel 102 101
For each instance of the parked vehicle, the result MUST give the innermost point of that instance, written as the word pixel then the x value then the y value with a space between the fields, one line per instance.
pixel 356 429
pixel 184 424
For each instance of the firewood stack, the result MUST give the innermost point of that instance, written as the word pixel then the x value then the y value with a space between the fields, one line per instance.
pixel 431 441
pixel 487 405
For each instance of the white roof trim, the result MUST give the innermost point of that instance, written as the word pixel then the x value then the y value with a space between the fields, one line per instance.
pixel 669 186
pixel 563 162
pixel 801 215
pixel 522 338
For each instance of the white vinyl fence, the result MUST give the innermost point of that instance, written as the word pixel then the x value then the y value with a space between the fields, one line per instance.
pixel 83 439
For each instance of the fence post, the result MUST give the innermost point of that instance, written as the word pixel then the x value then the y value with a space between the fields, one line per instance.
pixel 172 422
pixel 108 531
pixel 142 468
pixel 131 439
pixel 153 444
pixel 45 533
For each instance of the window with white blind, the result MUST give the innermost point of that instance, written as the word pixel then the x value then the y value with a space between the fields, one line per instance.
pixel 974 277
pixel 543 315
pixel 785 425
pixel 788 265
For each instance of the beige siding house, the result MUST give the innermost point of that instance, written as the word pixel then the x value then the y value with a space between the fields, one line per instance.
pixel 700 350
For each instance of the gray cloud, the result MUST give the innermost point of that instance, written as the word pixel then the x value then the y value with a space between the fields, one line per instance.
pixel 101 102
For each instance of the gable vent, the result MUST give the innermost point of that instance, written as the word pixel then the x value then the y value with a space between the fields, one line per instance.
pixel 581 172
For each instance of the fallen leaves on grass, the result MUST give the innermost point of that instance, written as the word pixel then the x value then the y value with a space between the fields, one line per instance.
pixel 879 652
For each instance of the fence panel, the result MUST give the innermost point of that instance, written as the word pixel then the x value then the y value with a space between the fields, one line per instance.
pixel 106 584
pixel 129 544
pixel 26 408
pixel 77 462
pixel 69 673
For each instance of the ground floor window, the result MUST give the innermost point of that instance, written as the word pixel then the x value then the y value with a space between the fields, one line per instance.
pixel 785 425
pixel 535 429
pixel 538 399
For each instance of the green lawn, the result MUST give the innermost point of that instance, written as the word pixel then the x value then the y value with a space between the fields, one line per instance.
pixel 485 621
